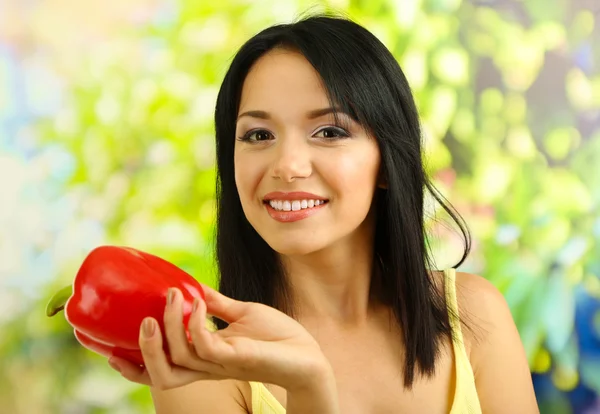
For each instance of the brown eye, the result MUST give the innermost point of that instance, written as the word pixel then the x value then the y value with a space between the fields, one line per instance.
pixel 262 135
pixel 256 136
pixel 328 133
pixel 332 133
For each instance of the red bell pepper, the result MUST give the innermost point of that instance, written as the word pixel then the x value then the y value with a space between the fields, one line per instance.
pixel 113 291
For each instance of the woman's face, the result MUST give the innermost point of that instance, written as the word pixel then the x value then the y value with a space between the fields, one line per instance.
pixel 304 182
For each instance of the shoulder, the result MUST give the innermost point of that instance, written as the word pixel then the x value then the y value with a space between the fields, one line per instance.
pixel 496 353
pixel 479 304
pixel 478 296
pixel 483 311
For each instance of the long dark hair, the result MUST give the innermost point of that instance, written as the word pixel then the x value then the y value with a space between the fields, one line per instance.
pixel 362 78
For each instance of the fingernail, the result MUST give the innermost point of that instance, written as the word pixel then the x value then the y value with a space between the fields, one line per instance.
pixel 170 296
pixel 195 305
pixel 148 327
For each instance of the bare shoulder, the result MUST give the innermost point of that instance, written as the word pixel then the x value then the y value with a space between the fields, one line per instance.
pixel 225 396
pixel 478 304
pixel 482 309
pixel 496 352
pixel 475 294
pixel 478 297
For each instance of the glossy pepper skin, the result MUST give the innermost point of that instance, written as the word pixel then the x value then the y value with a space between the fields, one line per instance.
pixel 113 291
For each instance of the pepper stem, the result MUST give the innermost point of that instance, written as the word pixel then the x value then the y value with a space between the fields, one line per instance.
pixel 58 301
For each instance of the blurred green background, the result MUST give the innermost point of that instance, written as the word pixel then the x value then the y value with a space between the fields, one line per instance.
pixel 106 137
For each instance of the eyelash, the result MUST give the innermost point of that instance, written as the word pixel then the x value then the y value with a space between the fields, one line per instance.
pixel 340 134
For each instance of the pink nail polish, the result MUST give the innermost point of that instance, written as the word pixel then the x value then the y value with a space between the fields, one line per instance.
pixel 170 296
pixel 148 327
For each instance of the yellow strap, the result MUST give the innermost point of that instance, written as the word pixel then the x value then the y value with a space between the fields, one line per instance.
pixel 452 305
pixel 466 400
pixel 263 402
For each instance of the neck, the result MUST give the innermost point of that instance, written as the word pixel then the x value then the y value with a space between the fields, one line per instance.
pixel 338 286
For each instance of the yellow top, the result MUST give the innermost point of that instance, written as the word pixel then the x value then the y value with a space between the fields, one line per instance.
pixel 465 394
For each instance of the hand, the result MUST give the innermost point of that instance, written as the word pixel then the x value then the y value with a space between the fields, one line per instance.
pixel 260 344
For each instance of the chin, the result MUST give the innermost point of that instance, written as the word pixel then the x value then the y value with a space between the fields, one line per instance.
pixel 294 247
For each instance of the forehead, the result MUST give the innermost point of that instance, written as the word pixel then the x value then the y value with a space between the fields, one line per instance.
pixel 281 79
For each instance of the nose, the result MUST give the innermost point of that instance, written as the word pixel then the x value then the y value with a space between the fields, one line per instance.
pixel 292 159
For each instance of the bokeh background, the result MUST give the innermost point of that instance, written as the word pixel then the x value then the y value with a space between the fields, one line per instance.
pixel 106 137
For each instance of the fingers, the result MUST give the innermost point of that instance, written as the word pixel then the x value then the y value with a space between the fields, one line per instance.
pixel 151 345
pixel 181 351
pixel 140 375
pixel 161 373
pixel 208 346
pixel 130 371
pixel 177 341
pixel 223 307
pixel 186 361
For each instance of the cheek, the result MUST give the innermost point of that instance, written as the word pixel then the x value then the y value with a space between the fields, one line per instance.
pixel 248 174
pixel 242 177
pixel 355 175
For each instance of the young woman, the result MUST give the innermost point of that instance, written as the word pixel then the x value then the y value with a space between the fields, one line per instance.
pixel 328 303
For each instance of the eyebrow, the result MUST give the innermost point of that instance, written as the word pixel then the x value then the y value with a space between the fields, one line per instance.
pixel 316 113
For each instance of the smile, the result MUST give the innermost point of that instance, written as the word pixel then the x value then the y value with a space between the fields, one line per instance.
pixel 287 211
pixel 295 205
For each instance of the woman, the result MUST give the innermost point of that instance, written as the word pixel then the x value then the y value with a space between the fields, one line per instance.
pixel 327 303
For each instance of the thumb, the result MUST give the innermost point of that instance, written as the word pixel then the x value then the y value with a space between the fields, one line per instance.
pixel 223 307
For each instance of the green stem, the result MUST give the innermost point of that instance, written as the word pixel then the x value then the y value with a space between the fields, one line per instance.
pixel 58 301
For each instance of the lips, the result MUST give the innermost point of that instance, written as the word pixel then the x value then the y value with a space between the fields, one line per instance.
pixel 293 206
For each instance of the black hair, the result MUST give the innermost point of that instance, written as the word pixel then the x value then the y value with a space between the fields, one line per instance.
pixel 362 78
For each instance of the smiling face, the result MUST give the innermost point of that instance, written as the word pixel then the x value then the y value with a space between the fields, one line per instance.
pixel 304 182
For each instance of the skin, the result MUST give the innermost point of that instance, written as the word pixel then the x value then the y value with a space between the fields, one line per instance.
pixel 342 353
pixel 297 157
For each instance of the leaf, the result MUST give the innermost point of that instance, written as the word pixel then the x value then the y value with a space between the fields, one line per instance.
pixel 558 312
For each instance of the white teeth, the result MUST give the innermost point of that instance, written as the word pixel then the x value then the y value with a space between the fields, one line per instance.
pixel 295 205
